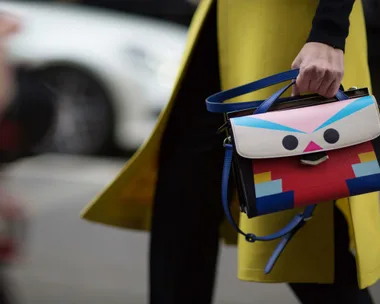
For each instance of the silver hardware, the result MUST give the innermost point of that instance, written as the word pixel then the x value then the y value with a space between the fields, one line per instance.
pixel 353 88
pixel 314 162
pixel 227 140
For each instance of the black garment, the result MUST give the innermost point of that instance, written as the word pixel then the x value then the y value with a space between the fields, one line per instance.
pixel 331 23
pixel 372 13
pixel 187 211
pixel 6 290
pixel 345 290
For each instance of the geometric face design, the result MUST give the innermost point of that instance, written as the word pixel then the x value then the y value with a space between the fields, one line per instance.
pixel 283 183
pixel 306 130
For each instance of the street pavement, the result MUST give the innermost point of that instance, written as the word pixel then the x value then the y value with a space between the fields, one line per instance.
pixel 71 261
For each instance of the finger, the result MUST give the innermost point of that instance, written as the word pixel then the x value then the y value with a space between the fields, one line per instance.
pixel 295 90
pixel 333 89
pixel 303 81
pixel 325 84
pixel 318 76
pixel 295 65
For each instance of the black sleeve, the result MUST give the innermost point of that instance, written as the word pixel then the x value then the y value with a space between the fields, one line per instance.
pixel 331 23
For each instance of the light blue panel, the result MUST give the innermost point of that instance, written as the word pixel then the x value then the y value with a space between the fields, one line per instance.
pixel 351 108
pixel 268 188
pixel 254 122
pixel 367 168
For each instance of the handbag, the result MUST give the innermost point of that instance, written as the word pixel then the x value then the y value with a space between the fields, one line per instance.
pixel 287 153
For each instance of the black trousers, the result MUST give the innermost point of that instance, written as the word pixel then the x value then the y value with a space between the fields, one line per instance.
pixel 187 211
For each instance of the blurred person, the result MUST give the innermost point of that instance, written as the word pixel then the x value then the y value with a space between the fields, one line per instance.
pixel 28 118
pixel 172 185
pixel 8 26
pixel 27 110
pixel 26 114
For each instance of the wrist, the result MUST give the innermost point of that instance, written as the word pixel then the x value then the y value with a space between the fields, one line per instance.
pixel 323 45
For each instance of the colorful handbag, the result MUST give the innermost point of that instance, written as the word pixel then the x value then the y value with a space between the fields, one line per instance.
pixel 296 152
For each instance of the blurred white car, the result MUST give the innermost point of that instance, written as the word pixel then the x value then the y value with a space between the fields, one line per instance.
pixel 112 72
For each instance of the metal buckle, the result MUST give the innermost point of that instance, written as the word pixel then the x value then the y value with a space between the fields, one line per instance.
pixel 227 141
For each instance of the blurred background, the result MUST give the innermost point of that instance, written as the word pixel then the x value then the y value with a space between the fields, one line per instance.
pixel 109 66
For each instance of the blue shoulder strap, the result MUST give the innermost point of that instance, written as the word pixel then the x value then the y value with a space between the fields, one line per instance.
pixel 215 103
pixel 285 233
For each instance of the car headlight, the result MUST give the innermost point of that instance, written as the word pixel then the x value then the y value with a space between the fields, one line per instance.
pixel 142 60
pixel 163 70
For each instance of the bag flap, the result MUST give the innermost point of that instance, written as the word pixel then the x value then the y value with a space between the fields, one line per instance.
pixel 306 130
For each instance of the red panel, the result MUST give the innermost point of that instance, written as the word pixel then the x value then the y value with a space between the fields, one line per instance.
pixel 314 184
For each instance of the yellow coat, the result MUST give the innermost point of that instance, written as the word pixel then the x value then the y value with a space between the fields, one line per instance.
pixel 258 39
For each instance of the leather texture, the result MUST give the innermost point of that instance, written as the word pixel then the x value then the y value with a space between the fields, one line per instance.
pixel 281 134
pixel 312 129
pixel 290 133
pixel 215 103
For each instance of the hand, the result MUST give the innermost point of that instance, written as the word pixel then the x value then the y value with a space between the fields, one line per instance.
pixel 321 69
pixel 8 26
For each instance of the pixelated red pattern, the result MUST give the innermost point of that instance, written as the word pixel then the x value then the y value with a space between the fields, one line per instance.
pixel 315 184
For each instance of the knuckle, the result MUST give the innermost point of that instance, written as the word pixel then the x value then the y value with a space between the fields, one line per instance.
pixel 330 72
pixel 321 73
pixel 316 71
pixel 336 72
pixel 310 69
pixel 340 74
